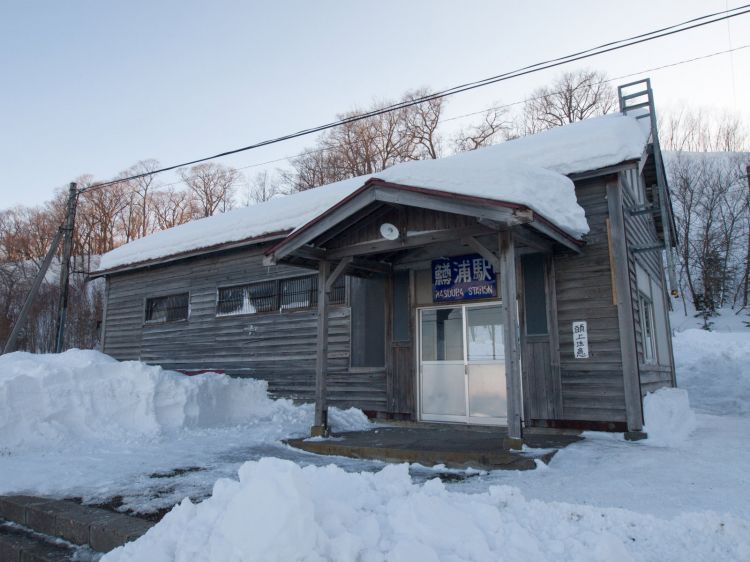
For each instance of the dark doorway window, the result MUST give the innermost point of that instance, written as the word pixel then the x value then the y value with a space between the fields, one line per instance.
pixel 368 322
pixel 535 294
pixel 401 310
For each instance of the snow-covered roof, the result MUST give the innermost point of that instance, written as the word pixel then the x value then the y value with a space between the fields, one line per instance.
pixel 530 171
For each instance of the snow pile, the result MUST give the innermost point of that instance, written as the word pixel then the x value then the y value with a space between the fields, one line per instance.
pixel 528 171
pixel 488 174
pixel 579 147
pixel 714 367
pixel 281 512
pixel 82 396
pixel 668 417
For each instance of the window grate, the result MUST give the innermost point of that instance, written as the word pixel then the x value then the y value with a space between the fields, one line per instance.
pixel 247 299
pixel 293 293
pixel 170 308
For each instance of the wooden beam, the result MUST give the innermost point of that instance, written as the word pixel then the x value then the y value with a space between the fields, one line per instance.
pixel 504 215
pixel 381 246
pixel 550 287
pixel 547 230
pixel 336 273
pixel 371 265
pixel 483 251
pixel 327 221
pixel 626 324
pixel 532 240
pixel 321 429
pixel 512 333
pixel 363 217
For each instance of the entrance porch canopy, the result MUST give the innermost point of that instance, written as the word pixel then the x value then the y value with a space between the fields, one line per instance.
pixel 346 239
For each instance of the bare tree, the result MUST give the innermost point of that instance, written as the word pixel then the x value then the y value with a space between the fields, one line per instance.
pixel 495 125
pixel 213 186
pixel 172 207
pixel 370 145
pixel 261 188
pixel 143 187
pixel 711 212
pixel 422 122
pixel 702 130
pixel 574 96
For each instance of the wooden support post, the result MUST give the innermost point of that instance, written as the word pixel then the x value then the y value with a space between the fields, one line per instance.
pixel 626 324
pixel 512 343
pixel 321 429
pixel 62 311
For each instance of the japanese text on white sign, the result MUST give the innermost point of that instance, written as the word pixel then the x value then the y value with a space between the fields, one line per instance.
pixel 580 340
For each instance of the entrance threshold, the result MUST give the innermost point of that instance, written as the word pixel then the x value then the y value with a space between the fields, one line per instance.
pixel 455 446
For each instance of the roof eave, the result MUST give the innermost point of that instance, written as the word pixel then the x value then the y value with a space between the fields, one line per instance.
pixel 253 241
pixel 287 245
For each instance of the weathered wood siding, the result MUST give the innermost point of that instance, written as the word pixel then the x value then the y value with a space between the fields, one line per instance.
pixel 277 347
pixel 640 231
pixel 592 388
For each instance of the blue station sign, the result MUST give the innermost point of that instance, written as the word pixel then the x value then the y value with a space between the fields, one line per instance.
pixel 463 278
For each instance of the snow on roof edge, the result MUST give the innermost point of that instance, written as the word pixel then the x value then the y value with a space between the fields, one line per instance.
pixel 579 147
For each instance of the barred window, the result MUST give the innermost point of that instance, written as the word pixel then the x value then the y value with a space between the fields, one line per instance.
pixel 294 293
pixel 169 308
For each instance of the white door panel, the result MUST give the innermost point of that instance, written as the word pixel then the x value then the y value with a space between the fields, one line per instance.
pixel 444 391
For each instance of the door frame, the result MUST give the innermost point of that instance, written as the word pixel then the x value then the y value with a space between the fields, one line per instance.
pixel 467 419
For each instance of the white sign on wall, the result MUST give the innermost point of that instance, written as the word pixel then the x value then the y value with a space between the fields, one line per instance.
pixel 580 340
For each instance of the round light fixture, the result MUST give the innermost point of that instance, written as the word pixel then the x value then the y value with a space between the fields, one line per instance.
pixel 389 231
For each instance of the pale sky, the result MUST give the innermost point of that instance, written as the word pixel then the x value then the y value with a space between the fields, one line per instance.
pixel 93 87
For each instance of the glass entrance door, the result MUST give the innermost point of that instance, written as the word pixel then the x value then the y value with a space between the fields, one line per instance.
pixel 462 364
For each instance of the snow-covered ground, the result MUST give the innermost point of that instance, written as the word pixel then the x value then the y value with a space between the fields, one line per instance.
pixel 83 425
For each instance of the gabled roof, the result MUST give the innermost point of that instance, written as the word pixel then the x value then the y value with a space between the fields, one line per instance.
pixel 530 171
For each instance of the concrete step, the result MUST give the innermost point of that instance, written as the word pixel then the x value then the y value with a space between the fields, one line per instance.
pixel 99 529
pixel 19 544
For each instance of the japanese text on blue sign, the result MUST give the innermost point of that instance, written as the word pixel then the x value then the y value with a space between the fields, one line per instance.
pixel 463 278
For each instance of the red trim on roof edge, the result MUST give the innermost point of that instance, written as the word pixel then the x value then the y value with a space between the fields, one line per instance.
pixel 191 253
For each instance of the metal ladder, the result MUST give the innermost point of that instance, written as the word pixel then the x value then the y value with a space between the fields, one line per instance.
pixel 637 98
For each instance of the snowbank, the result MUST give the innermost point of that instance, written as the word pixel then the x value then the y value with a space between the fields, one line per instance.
pixel 668 417
pixel 55 400
pixel 714 367
pixel 281 512
pixel 529 171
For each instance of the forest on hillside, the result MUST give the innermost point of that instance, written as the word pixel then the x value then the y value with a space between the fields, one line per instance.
pixel 706 157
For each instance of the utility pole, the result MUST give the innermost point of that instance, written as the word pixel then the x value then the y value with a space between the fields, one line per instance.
pixel 10 345
pixel 62 311
pixel 747 257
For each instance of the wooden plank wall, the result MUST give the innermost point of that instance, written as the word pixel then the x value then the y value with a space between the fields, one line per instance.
pixel 277 347
pixel 640 231
pixel 592 388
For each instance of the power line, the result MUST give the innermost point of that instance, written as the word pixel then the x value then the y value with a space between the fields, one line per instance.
pixel 536 67
pixel 503 106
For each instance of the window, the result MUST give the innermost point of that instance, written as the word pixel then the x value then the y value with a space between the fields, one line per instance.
pixel 368 322
pixel 170 308
pixel 401 310
pixel 294 293
pixel 535 294
pixel 647 329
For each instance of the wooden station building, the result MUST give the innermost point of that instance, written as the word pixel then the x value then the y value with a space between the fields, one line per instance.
pixel 519 285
